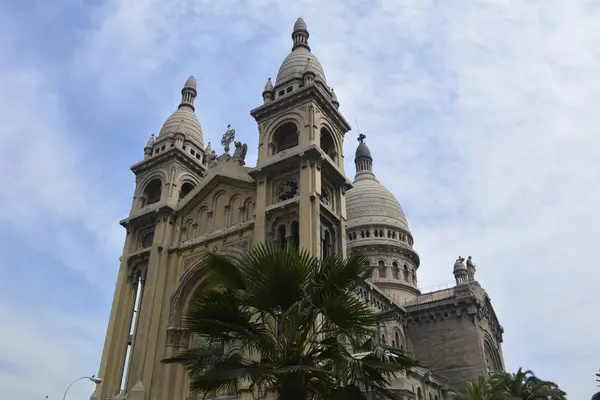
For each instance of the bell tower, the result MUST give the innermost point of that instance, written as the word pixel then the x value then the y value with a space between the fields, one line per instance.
pixel 300 177
pixel 173 165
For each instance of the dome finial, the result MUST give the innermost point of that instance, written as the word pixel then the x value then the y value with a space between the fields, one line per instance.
pixel 188 93
pixel 363 161
pixel 300 35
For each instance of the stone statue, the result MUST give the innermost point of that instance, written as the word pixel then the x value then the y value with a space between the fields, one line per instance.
pixel 210 157
pixel 240 151
pixel 228 138
pixel 471 269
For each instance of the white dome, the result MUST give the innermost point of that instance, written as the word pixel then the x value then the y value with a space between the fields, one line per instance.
pixel 183 120
pixel 369 202
pixel 294 64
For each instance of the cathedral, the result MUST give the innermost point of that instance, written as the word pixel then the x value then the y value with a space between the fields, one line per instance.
pixel 191 198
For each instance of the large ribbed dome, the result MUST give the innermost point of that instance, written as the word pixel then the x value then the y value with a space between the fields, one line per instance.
pixel 294 64
pixel 369 202
pixel 184 119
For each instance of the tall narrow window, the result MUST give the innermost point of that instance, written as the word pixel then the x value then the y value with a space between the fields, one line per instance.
pixel 296 234
pixel 367 266
pixel 381 269
pixel 406 272
pixel 281 235
pixel 395 270
pixel 326 247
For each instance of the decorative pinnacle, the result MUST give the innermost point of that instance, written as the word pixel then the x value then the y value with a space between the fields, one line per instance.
pixel 361 137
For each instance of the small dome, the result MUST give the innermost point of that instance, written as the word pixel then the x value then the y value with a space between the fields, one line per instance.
pixel 268 86
pixel 362 151
pixel 295 63
pixel 183 120
pixel 459 265
pixel 369 202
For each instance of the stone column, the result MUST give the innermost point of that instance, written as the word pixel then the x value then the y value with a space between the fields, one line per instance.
pixel 117 334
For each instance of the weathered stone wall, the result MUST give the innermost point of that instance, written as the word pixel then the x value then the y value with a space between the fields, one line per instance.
pixel 449 346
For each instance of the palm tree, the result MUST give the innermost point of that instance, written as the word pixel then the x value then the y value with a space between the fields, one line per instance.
pixel 276 320
pixel 524 385
pixel 478 389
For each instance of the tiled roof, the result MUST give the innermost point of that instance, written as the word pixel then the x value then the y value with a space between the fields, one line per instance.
pixel 431 297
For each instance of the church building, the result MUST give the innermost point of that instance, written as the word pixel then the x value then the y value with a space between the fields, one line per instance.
pixel 191 198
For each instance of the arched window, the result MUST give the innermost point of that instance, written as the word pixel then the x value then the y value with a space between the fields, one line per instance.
pixel 419 394
pixel 430 396
pixel 383 339
pixel 406 272
pixel 381 269
pixel 285 137
pixel 414 276
pixel 186 188
pixel 397 338
pixel 328 144
pixel 395 270
pixel 152 192
pixel 281 235
pixel 296 234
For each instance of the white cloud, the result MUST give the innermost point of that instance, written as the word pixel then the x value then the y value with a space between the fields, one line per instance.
pixel 493 106
pixel 42 350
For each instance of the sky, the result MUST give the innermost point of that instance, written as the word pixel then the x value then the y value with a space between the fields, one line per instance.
pixel 482 117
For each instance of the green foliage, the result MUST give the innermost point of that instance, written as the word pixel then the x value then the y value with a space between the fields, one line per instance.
pixel 274 319
pixel 522 385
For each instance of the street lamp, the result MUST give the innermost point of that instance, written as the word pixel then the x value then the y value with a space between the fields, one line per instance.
pixel 92 378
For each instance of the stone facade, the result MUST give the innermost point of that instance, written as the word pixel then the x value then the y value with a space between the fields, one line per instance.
pixel 189 199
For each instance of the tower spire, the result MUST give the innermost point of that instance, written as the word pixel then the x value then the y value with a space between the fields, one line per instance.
pixel 188 93
pixel 300 35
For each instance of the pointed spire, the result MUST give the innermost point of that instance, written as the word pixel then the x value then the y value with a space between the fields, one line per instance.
pixel 334 99
pixel 300 35
pixel 310 67
pixel 268 92
pixel 188 93
pixel 268 86
pixel 150 141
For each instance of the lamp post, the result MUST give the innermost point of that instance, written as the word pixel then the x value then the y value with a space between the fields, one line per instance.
pixel 97 381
